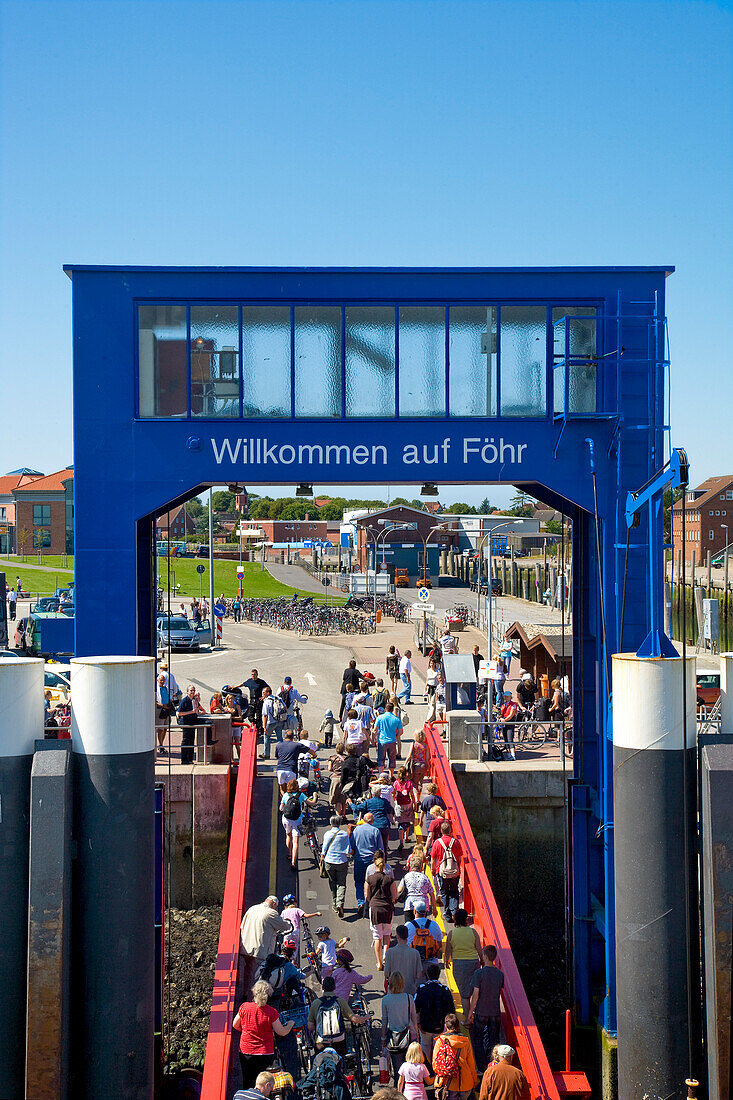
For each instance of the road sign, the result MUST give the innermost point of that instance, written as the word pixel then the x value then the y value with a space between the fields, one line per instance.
pixel 423 607
pixel 423 594
pixel 325 581
pixel 200 568
pixel 308 545
pixel 240 572
pixel 220 610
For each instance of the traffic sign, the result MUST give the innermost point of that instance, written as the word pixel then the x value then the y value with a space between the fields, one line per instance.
pixel 200 568
pixel 325 581
pixel 423 594
pixel 240 572
pixel 308 545
pixel 419 609
pixel 220 610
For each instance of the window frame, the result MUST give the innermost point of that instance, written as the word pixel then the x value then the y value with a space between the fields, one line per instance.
pixel 343 304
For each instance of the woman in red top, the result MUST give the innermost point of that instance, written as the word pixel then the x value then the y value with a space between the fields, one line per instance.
pixel 259 1024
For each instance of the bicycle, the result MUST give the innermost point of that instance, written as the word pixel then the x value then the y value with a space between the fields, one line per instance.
pixel 311 836
pixel 362 1044
pixel 309 948
pixel 303 1037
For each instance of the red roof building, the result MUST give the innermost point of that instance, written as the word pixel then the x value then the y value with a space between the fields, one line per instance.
pixel 44 513
pixel 175 524
pixel 708 519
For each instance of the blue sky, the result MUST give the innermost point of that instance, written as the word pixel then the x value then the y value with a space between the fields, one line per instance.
pixel 350 132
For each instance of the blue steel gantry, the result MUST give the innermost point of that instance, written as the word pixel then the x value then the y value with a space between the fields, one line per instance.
pixel 188 377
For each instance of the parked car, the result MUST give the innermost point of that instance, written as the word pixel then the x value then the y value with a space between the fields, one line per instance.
pixel 180 633
pixel 49 633
pixel 46 603
pixel 708 688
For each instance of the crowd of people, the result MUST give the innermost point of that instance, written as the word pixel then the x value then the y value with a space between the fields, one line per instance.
pixel 389 835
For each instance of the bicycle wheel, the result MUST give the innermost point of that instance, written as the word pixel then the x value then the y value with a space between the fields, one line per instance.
pixel 364 1062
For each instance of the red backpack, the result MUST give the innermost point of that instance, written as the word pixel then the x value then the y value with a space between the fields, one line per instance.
pixel 445 1059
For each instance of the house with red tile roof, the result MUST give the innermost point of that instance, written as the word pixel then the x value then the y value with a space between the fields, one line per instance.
pixel 44 513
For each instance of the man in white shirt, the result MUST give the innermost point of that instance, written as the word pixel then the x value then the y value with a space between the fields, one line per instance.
pixel 260 926
pixel 406 677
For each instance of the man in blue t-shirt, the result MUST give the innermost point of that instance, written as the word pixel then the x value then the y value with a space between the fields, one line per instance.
pixel 388 727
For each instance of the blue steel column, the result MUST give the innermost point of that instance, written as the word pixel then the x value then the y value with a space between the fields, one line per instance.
pixel 21 707
pixel 113 943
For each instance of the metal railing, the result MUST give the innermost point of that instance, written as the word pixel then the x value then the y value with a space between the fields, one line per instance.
pixel 478 898
pixel 223 1001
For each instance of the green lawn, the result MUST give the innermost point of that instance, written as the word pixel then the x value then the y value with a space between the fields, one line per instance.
pixel 36 581
pixel 257 582
pixel 55 561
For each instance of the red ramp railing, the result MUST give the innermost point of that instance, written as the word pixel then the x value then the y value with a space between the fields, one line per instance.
pixel 478 898
pixel 223 1003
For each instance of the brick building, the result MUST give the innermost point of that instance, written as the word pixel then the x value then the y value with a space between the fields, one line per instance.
pixel 177 524
pixel 404 549
pixel 44 513
pixel 12 480
pixel 708 519
pixel 291 530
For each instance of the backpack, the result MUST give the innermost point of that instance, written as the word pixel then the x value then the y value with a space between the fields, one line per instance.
pixel 272 971
pixel 279 710
pixel 424 941
pixel 292 809
pixel 284 697
pixel 445 1060
pixel 329 1021
pixel 326 1077
pixel 448 867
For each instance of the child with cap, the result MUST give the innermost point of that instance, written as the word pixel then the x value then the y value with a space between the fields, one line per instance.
pixel 326 950
pixel 326 728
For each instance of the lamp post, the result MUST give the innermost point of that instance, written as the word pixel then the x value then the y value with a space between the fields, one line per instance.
pixel 509 523
pixel 438 527
pixel 725 574
pixel 376 538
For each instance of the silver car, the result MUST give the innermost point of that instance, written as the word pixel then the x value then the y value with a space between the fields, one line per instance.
pixel 179 633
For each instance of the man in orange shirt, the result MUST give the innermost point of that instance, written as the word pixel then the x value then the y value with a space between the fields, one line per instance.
pixel 502 1080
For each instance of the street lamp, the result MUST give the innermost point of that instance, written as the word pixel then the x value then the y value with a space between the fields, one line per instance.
pixel 438 527
pixel 376 538
pixel 489 537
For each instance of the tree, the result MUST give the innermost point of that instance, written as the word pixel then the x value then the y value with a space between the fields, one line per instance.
pixel 521 504
pixel 261 508
pixel 670 498
pixel 333 510
pixel 460 508
pixel 554 527
pixel 224 501
pixel 23 536
pixel 195 508
pixel 298 509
